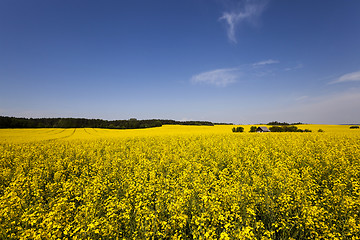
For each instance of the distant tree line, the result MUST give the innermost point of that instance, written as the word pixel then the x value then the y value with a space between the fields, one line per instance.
pixel 287 128
pixel 354 127
pixel 283 123
pixel 282 128
pixel 223 123
pixel 173 122
pixel 13 122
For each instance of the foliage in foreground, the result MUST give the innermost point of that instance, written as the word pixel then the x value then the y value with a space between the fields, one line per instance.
pixel 221 186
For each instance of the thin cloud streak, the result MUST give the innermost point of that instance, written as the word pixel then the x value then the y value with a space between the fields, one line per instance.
pixel 299 66
pixel 266 62
pixel 219 77
pixel 301 98
pixel 223 77
pixel 349 77
pixel 249 12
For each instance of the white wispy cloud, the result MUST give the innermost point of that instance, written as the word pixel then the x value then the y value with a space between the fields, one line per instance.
pixel 266 62
pixel 300 65
pixel 219 77
pixel 301 98
pixel 248 11
pixel 349 77
pixel 223 77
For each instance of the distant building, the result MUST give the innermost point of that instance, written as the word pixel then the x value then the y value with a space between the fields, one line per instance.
pixel 262 129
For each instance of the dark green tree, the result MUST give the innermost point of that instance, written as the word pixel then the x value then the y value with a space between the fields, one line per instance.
pixel 238 129
pixel 253 129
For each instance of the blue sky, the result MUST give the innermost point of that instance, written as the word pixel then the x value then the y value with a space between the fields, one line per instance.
pixel 218 60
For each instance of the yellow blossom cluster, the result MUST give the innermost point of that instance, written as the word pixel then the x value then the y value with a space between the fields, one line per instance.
pixel 179 182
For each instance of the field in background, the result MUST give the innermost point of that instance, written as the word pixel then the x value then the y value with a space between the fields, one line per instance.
pixel 41 134
pixel 179 182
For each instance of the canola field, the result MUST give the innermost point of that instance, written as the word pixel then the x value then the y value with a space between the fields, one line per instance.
pixel 179 182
